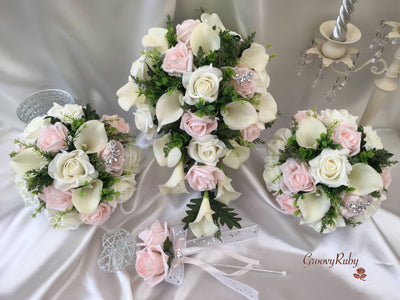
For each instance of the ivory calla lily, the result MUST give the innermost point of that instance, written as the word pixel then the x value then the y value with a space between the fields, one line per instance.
pixel 128 95
pixel 235 157
pixel 255 57
pixel 156 38
pixel 169 109
pixel 92 137
pixel 204 225
pixel 309 130
pixel 174 156
pixel 225 191
pixel 176 183
pixel 364 179
pixel 87 199
pixel 205 37
pixel 212 20
pixel 27 160
pixel 314 206
pixel 239 114
pixel 267 109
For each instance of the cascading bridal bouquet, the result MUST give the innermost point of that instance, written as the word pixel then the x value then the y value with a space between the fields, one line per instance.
pixel 203 88
pixel 76 166
pixel 327 170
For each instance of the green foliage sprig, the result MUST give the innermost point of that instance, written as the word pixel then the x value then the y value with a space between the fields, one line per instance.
pixel 37 179
pixel 171 34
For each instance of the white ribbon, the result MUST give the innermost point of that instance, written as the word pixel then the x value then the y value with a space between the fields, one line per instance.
pixel 183 249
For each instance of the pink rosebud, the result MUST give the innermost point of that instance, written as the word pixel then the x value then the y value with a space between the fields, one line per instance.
pixel 286 202
pixel 197 126
pixel 245 81
pixel 296 177
pixel 301 114
pixel 52 138
pixel 113 156
pixel 155 235
pixel 184 30
pixel 204 178
pixel 56 199
pixel 117 122
pixel 251 133
pixel 352 204
pixel 152 264
pixel 100 215
pixel 386 177
pixel 178 60
pixel 347 137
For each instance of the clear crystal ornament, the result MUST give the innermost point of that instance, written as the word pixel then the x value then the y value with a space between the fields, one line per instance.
pixel 319 75
pixel 118 250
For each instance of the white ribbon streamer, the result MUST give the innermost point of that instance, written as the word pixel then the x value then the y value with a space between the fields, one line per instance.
pixel 183 249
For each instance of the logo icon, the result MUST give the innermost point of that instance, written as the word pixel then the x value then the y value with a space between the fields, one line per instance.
pixel 360 274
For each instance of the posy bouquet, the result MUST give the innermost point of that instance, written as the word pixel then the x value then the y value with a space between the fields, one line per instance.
pixel 76 166
pixel 327 170
pixel 203 89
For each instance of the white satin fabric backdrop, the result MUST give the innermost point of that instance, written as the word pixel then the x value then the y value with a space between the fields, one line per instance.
pixel 86 48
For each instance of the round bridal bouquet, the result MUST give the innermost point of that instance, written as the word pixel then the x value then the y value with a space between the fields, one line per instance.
pixel 76 166
pixel 327 170
pixel 203 90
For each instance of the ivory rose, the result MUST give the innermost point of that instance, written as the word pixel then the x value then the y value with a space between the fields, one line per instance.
pixel 178 60
pixel 144 119
pixel 152 264
pixel 202 83
pixel 252 132
pixel 330 116
pixel 100 215
pixel 207 149
pixel 29 198
pixel 285 201
pixel 34 127
pixel 133 156
pixel 126 186
pixel 184 30
pixel 296 177
pixel 155 235
pixel 245 81
pixel 52 138
pixel 113 156
pixel 71 169
pixel 347 137
pixel 197 126
pixel 204 178
pixel 331 167
pixel 56 199
pixel 67 113
pixel 372 140
pixel 272 176
pixel 117 122
pixel 278 141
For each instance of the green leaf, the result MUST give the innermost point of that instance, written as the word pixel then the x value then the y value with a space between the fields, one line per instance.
pixel 192 212
pixel 167 245
pixel 224 214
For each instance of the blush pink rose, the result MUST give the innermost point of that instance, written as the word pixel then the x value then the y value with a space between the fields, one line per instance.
pixel 113 156
pixel 204 178
pixel 296 177
pixel 178 60
pixel 386 177
pixel 286 202
pixel 155 235
pixel 56 199
pixel 52 138
pixel 197 126
pixel 152 264
pixel 245 81
pixel 301 114
pixel 347 137
pixel 100 215
pixel 251 133
pixel 351 199
pixel 184 30
pixel 117 122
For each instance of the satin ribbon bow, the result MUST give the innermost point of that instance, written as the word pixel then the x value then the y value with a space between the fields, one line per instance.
pixel 183 249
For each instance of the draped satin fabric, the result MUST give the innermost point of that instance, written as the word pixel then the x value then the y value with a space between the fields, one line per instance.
pixel 86 48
